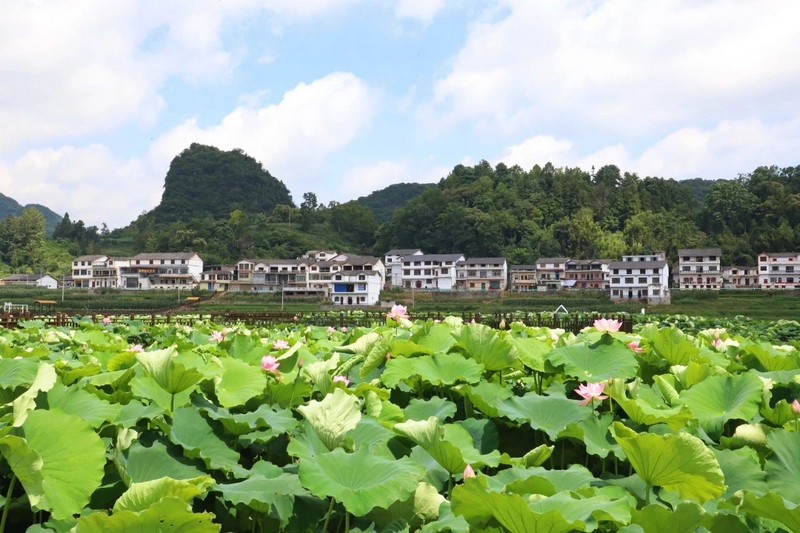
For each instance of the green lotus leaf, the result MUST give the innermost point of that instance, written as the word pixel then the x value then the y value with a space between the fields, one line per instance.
pixel 485 396
pixel 361 481
pixel 693 373
pixel 436 369
pixel 423 409
pixel 531 352
pixel 779 415
pixel 171 376
pixel 676 462
pixel 587 511
pixel 435 337
pixel 333 417
pixel 238 383
pixel 318 372
pixel 487 346
pixel 371 433
pixel 478 506
pixel 773 507
pixel 273 495
pixel 60 468
pixel 671 344
pixel 375 356
pixel 200 439
pixel 593 432
pixel 419 508
pixel 407 348
pixel 535 457
pixel 70 373
pixel 595 363
pixel 537 480
pixel 686 517
pixel 384 411
pixel 484 433
pixel 16 372
pixel 642 412
pixel 447 521
pixel 157 459
pixel 170 515
pixel 551 414
pixel 147 388
pixel 78 402
pixel 44 381
pixel 246 349
pixel 718 399
pixel 140 496
pixel 362 345
pixel 742 471
pixel 767 358
pixel 783 467
pixel 666 386
pixel 451 445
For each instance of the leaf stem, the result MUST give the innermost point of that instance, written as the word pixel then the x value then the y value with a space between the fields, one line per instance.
pixel 172 404
pixel 7 502
pixel 647 495
pixel 346 521
pixel 449 487
pixel 327 517
pixel 294 384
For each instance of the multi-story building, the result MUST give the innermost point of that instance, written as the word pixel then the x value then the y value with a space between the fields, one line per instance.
pixel 738 277
pixel 779 270
pixel 431 271
pixel 639 277
pixel 700 269
pixel 550 272
pixel 269 275
pixel 393 260
pixel 96 271
pixel 522 278
pixel 170 270
pixel 356 287
pixel 586 274
pixel 482 274
pixel 217 277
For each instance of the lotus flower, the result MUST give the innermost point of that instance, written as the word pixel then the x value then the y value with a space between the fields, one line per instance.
pixel 341 379
pixel 398 312
pixel 106 320
pixel 796 408
pixel 331 329
pixel 716 343
pixel 280 344
pixel 137 348
pixel 591 392
pixel 634 345
pixel 388 355
pixel 607 325
pixel 344 329
pixel 270 364
pixel 469 472
pixel 217 336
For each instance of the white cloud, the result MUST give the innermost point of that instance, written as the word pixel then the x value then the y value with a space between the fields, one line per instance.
pixel 620 67
pixel 536 151
pixel 422 11
pixel 364 179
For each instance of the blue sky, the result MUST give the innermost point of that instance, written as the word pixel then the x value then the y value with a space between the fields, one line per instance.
pixel 342 97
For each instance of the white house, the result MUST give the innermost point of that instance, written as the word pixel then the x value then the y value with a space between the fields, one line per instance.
pixel 586 274
pixel 779 270
pixel 356 287
pixel 522 278
pixel 431 271
pixel 171 270
pixel 639 277
pixel 739 277
pixel 700 269
pixel 482 274
pixel 550 272
pixel 393 260
pixel 96 271
pixel 34 280
pixel 350 262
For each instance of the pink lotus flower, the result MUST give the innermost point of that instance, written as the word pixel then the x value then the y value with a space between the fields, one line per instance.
pixel 469 472
pixel 591 392
pixel 634 345
pixel 398 312
pixel 270 364
pixel 716 333
pixel 217 336
pixel 341 379
pixel 295 318
pixel 388 355
pixel 607 325
pixel 106 320
pixel 796 408
pixel 137 348
pixel 716 343
pixel 331 329
pixel 280 344
pixel 344 329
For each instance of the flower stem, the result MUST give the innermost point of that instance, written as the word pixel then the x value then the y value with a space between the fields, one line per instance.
pixel 7 503
pixel 327 517
pixel 294 384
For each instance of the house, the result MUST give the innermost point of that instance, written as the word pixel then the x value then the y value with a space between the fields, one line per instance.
pixel 356 287
pixel 639 277
pixel 779 270
pixel 738 277
pixel 95 271
pixel 431 271
pixel 269 275
pixel 522 278
pixel 586 274
pixel 700 269
pixel 482 274
pixel 171 270
pixel 550 272
pixel 360 262
pixel 33 280
pixel 320 255
pixel 393 261
pixel 217 277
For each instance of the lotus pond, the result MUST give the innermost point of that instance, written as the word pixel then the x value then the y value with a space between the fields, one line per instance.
pixel 425 426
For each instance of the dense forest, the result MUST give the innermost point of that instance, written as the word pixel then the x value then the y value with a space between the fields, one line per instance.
pixel 9 206
pixel 225 206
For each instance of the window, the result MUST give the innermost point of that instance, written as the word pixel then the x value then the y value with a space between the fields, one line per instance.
pixel 417 272
pixel 656 271
pixel 362 277
pixel 615 281
pixel 789 269
pixel 763 269
pixel 616 271
pixel 629 280
pixel 615 292
pixel 712 258
pixel 471 285
pixel 630 271
pixel 654 280
pixel 762 258
pixel 445 270
pixel 789 280
pixel 774 268
pixel 685 258
pixel 685 269
pixel 656 292
pixel 642 280
pixel 427 271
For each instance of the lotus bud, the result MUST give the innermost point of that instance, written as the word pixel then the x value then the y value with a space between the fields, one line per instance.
pixel 796 408
pixel 469 472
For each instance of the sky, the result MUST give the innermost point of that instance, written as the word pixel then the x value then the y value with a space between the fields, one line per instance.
pixel 343 97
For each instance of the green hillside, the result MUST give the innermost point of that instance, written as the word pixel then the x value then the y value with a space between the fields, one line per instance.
pixel 9 206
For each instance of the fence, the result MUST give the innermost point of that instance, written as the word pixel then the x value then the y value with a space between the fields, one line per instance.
pixel 574 323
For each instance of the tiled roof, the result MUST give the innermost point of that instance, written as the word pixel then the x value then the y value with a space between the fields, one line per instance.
pixel 403 251
pixel 167 255
pixel 483 261
pixel 700 252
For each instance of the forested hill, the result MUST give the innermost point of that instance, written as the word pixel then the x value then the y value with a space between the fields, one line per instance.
pixel 207 180
pixel 9 206
pixel 556 212
pixel 699 187
pixel 385 201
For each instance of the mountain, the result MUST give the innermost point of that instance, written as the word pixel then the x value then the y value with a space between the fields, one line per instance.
pixel 9 206
pixel 699 187
pixel 204 180
pixel 385 201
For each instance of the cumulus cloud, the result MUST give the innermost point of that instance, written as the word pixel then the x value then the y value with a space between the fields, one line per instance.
pixel 422 11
